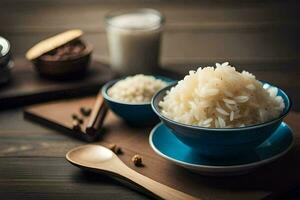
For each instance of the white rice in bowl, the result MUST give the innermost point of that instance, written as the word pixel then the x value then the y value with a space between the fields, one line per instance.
pixel 136 89
pixel 221 97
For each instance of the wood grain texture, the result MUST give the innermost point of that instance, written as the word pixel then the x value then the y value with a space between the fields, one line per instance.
pixel 259 36
pixel 53 178
pixel 100 159
pixel 195 47
pixel 255 185
pixel 26 87
pixel 223 30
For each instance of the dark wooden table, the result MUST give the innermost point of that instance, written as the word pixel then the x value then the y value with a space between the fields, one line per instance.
pixel 261 37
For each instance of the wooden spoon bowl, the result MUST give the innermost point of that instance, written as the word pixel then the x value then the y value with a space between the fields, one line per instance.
pixel 100 159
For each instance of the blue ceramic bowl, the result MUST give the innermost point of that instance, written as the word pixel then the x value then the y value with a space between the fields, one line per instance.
pixel 221 142
pixel 135 114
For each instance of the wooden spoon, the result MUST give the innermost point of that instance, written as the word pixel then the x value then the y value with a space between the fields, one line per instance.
pixel 101 159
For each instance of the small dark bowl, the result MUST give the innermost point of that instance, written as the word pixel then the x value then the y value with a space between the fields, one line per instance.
pixel 5 73
pixel 135 114
pixel 221 142
pixel 6 62
pixel 72 68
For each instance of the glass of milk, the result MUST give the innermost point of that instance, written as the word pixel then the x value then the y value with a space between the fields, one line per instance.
pixel 134 40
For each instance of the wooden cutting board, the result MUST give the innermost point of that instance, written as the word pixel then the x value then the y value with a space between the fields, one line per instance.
pixel 275 177
pixel 27 87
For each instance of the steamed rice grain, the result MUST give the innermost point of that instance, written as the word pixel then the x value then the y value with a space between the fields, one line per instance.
pixel 221 97
pixel 136 89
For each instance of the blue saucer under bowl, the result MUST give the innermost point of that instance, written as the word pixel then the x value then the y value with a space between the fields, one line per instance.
pixel 166 144
pixel 135 114
pixel 221 142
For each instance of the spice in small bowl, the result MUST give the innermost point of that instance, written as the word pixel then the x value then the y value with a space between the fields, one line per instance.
pixel 68 51
pixel 64 56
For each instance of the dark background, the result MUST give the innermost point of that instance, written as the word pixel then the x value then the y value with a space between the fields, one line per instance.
pixel 260 36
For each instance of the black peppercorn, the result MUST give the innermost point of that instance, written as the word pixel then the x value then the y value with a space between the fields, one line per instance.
pixel 80 120
pixel 74 116
pixel 76 126
pixel 85 111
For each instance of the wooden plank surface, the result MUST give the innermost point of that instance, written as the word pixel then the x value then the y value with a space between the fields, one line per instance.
pixel 32 164
pixel 260 36
pixel 27 87
pixel 59 182
pixel 255 185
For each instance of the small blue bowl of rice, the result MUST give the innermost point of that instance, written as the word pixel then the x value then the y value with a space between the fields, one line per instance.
pixel 136 110
pixel 223 125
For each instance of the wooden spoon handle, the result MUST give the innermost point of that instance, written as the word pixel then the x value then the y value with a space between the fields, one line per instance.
pixel 154 187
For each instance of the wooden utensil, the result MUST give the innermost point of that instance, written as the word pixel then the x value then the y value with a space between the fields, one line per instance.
pixel 101 159
pixel 52 43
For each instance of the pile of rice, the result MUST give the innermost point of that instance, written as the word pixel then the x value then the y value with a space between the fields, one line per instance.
pixel 136 89
pixel 221 97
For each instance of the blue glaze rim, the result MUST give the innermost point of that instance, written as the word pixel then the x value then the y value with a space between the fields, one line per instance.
pixel 231 167
pixel 221 129
pixel 112 82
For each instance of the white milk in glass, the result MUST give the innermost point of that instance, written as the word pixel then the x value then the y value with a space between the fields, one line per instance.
pixel 134 41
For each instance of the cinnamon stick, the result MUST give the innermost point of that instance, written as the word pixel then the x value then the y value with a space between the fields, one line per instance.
pixel 97 116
